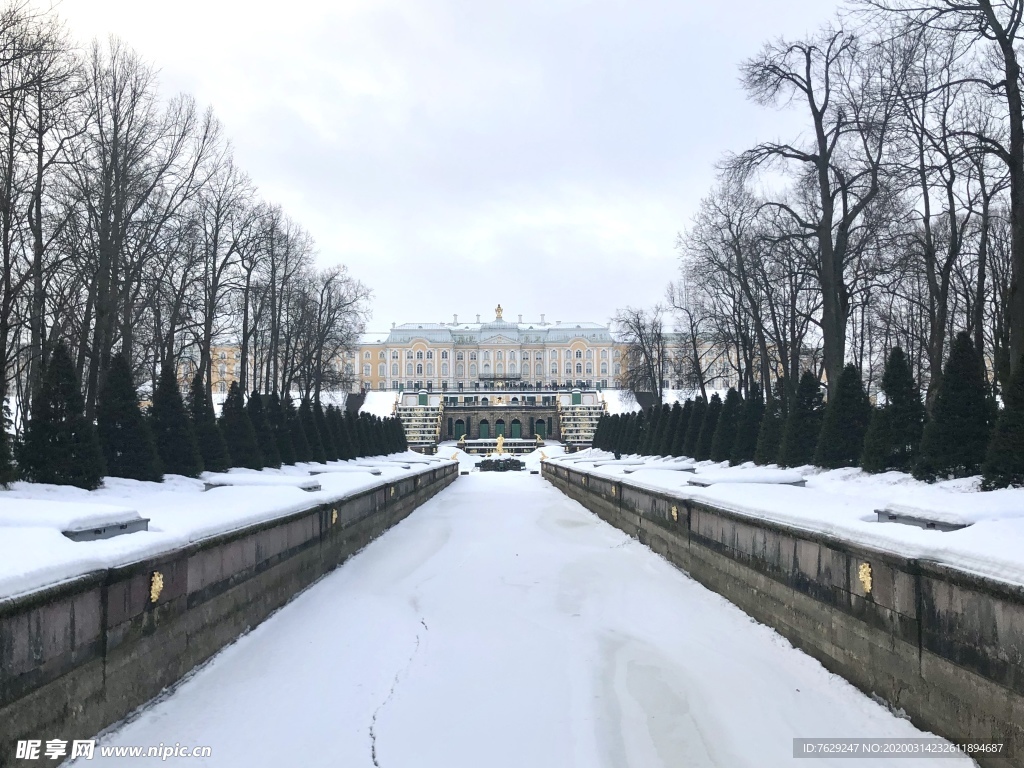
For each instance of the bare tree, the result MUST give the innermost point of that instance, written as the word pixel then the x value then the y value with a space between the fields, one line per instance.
pixel 645 362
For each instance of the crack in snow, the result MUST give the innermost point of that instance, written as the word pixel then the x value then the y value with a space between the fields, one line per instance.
pixel 394 684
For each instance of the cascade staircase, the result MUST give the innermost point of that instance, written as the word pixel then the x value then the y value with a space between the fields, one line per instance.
pixel 578 424
pixel 422 425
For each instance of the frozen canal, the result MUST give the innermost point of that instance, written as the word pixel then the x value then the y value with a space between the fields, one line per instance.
pixel 504 625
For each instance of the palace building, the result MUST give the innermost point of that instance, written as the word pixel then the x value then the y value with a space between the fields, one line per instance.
pixel 499 354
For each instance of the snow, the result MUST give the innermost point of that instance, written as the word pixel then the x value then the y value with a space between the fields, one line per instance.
pixel 238 478
pixel 61 515
pixel 380 404
pixel 503 625
pixel 179 513
pixel 844 503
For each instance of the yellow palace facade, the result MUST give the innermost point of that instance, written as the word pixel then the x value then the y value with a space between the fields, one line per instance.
pixel 499 354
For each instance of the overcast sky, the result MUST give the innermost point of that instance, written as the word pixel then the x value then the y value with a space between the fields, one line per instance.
pixel 459 153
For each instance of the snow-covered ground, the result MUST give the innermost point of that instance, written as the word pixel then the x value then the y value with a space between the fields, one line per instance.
pixel 501 625
pixel 35 554
pixel 844 502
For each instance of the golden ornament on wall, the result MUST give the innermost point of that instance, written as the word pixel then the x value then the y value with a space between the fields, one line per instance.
pixel 675 514
pixel 334 516
pixel 864 574
pixel 156 586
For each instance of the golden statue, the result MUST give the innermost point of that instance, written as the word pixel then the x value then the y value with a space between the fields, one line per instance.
pixel 501 444
pixel 498 311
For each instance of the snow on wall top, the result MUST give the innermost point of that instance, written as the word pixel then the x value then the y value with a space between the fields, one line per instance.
pixel 380 404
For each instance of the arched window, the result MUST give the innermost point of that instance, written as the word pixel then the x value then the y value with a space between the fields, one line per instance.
pixel 382 369
pixel 554 354
pixel 472 369
pixel 460 370
pixel 419 369
pixel 590 354
pixel 568 369
pixel 472 355
pixel 579 367
pixel 554 369
pixel 539 369
pixel 499 369
pixel 366 355
pixel 499 355
pixel 366 370
pixel 394 354
pixel 604 354
pixel 444 369
pixel 458 356
pixel 487 354
pixel 512 355
pixel 487 369
pixel 408 354
pixel 616 354
pixel 419 354
pixel 430 369
pixel 579 354
pixel 512 369
pixel 394 369
pixel 539 355
pixel 444 354
pixel 604 369
pixel 382 356
pixel 618 369
pixel 590 367
pixel 408 369
pixel 223 370
pixel 223 355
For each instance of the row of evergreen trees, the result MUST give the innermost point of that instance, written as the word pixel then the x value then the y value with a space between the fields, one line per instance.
pixel 62 446
pixel 966 433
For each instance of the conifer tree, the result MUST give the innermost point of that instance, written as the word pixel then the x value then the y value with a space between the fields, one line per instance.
pixel 745 445
pixel 126 439
pixel 895 430
pixel 647 432
pixel 601 431
pixel 728 424
pixel 693 428
pixel 708 427
pixel 803 424
pixel 61 445
pixel 8 469
pixel 323 428
pixel 679 438
pixel 351 437
pixel 309 427
pixel 282 434
pixel 956 437
pixel 331 417
pixel 769 434
pixel 262 426
pixel 841 441
pixel 660 427
pixel 296 430
pixel 1004 461
pixel 671 427
pixel 172 428
pixel 238 431
pixel 636 424
pixel 208 435
pixel 403 445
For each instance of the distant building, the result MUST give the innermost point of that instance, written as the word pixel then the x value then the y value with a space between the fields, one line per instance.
pixel 499 354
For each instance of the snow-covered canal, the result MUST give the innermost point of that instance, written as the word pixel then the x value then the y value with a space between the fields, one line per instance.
pixel 504 625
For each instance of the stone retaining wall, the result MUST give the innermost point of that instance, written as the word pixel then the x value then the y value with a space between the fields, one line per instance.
pixel 945 646
pixel 82 655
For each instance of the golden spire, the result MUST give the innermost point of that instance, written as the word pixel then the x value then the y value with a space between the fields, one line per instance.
pixel 498 311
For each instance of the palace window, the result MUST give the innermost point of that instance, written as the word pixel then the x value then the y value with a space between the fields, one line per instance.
pixel 499 355
pixel 568 369
pixel 618 369
pixel 223 370
pixel 419 369
pixel 366 355
pixel 604 354
pixel 382 356
pixel 394 354
pixel 590 368
pixel 408 369
pixel 444 369
pixel 459 356
pixel 512 369
pixel 579 367
pixel 539 356
pixel 616 354
pixel 472 355
pixel 578 354
pixel 408 354
pixel 539 369
pixel 394 369
pixel 487 354
pixel 349 369
pixel 223 355
pixel 222 387
pixel 604 369
pixel 444 354
pixel 590 354
pixel 366 370
pixel 499 369
pixel 487 369
pixel 430 369
pixel 419 355
pixel 382 369
pixel 430 354
pixel 460 370
pixel 472 369
pixel 554 354
pixel 554 369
